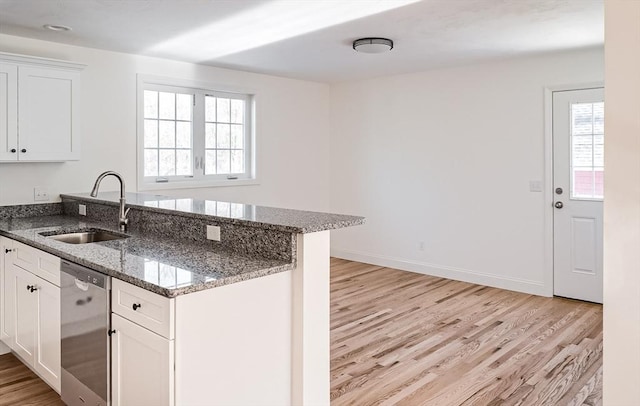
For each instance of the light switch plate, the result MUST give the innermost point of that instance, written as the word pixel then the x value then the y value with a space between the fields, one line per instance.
pixel 213 233
pixel 82 209
pixel 535 186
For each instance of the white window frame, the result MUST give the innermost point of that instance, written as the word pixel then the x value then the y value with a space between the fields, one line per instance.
pixel 199 90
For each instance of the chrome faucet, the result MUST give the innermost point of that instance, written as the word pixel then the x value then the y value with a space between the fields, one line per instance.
pixel 123 220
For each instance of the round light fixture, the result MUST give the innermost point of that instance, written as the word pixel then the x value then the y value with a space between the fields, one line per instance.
pixel 54 27
pixel 373 45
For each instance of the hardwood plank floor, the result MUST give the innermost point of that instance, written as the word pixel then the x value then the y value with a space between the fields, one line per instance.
pixel 20 386
pixel 400 338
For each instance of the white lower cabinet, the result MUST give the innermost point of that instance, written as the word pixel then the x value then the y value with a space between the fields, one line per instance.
pixel 37 324
pixel 7 327
pixel 142 365
pixel 30 323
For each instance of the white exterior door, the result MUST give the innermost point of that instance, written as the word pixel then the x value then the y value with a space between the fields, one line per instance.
pixel 578 190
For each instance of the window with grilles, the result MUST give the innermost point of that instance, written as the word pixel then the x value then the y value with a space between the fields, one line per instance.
pixel 194 136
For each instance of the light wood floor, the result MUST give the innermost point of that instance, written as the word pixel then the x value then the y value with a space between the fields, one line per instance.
pixel 399 338
pixel 20 386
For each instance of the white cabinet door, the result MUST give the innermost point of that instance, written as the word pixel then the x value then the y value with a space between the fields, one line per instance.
pixel 35 311
pixel 25 313
pixel 8 112
pixel 142 366
pixel 46 100
pixel 47 361
pixel 7 294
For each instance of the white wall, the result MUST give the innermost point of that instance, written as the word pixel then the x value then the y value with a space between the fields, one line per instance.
pixel 292 126
pixel 622 204
pixel 445 157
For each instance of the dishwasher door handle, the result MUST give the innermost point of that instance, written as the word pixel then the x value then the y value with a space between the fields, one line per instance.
pixel 82 285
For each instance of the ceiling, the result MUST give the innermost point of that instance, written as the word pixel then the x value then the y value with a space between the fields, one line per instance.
pixel 311 39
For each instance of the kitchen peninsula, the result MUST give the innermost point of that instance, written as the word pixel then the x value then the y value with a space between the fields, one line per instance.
pixel 234 297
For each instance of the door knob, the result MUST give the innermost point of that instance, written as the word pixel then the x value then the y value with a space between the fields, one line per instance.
pixel 559 205
pixel 136 306
pixel 559 190
pixel 13 150
pixel 23 150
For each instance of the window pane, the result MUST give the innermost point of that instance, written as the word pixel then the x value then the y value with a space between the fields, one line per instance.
pixel 183 162
pixel 210 163
pixel 183 106
pixel 210 136
pixel 150 133
pixel 167 162
pixel 209 108
pixel 150 162
pixel 167 134
pixel 168 105
pixel 582 182
pixel 237 136
pixel 598 150
pixel 237 161
pixel 183 134
pixel 599 183
pixel 581 118
pixel 237 111
pixel 582 154
pixel 150 104
pixel 223 135
pixel 223 110
pixel 598 118
pixel 223 164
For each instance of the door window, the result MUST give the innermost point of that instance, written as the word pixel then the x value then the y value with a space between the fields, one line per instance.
pixel 587 151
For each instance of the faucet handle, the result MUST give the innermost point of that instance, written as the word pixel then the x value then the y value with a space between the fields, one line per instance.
pixel 126 212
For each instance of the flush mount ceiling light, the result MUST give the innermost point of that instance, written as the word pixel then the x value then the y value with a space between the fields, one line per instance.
pixel 373 45
pixel 54 27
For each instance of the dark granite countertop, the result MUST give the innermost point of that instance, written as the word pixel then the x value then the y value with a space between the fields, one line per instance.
pixel 293 221
pixel 161 265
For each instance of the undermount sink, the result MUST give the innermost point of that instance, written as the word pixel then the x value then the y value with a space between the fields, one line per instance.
pixel 85 236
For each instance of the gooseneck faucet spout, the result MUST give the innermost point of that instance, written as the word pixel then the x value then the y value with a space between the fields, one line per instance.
pixel 122 221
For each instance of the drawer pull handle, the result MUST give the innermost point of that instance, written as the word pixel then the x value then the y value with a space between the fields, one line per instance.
pixel 31 288
pixel 13 150
pixel 136 306
pixel 7 250
pixel 23 150
pixel 111 332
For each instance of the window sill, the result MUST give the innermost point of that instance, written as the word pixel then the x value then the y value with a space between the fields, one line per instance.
pixel 142 186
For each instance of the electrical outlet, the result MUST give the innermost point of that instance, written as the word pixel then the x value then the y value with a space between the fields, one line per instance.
pixel 213 233
pixel 82 209
pixel 40 194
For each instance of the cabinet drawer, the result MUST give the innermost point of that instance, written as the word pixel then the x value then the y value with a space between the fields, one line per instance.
pixel 152 311
pixel 37 262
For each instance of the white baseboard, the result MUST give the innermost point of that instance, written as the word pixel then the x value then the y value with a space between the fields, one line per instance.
pixel 465 275
pixel 4 349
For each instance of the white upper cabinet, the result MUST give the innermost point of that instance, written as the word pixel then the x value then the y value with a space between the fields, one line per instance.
pixel 39 101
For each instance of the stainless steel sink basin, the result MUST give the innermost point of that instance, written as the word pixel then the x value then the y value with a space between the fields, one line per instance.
pixel 86 236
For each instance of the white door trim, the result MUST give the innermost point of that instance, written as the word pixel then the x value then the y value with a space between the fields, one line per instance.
pixel 548 176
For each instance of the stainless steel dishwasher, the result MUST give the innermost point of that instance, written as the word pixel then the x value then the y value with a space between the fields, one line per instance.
pixel 85 314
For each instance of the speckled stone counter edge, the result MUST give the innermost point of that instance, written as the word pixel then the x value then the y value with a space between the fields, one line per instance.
pixel 142 283
pixel 31 210
pixel 337 221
